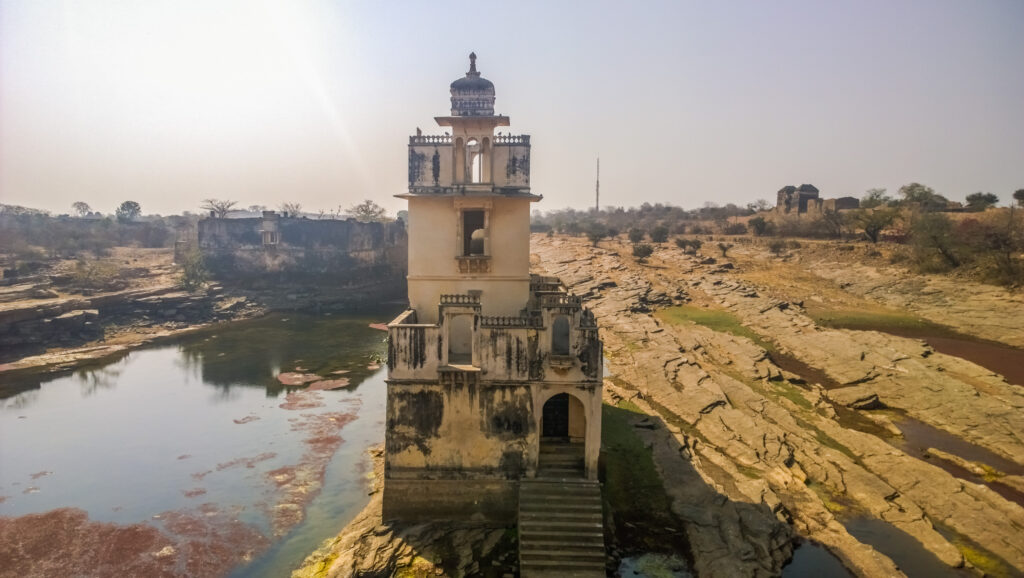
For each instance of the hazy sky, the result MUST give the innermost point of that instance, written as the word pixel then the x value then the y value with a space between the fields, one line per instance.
pixel 264 101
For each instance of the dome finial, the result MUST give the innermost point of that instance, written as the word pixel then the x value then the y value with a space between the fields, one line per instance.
pixel 472 63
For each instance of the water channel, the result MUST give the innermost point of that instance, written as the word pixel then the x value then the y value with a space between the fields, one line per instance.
pixel 196 442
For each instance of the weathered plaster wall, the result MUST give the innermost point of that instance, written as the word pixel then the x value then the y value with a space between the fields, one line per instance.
pixel 460 428
pixel 431 165
pixel 339 248
pixel 488 501
pixel 511 165
pixel 434 231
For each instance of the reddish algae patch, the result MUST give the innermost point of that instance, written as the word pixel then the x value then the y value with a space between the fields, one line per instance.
pixel 302 400
pixel 194 544
pixel 299 484
pixel 328 384
pixel 294 379
pixel 247 462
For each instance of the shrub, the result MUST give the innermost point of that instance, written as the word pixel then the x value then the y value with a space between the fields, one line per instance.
pixel 735 229
pixel 659 234
pixel 636 235
pixel 777 246
pixel 93 274
pixel 193 271
pixel 689 246
pixel 596 232
pixel 935 245
pixel 759 226
pixel 642 251
pixel 724 248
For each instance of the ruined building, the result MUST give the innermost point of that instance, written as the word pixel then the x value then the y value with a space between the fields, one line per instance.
pixel 805 200
pixel 494 374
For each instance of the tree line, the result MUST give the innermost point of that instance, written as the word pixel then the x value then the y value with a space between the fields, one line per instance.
pixel 940 238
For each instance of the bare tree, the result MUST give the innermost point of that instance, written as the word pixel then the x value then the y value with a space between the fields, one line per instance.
pixel 292 209
pixel 256 208
pixel 218 207
pixel 760 205
pixel 82 208
pixel 367 212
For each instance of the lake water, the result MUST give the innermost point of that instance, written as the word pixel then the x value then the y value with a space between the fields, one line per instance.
pixel 196 446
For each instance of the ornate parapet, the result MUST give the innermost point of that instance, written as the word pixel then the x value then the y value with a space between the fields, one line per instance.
pixel 512 139
pixel 521 321
pixel 562 300
pixel 430 139
pixel 460 299
pixel 474 264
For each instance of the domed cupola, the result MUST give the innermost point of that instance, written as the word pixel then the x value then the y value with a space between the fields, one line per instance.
pixel 472 95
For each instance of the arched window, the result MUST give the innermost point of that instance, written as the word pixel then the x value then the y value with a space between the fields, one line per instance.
pixel 560 336
pixel 474 161
pixel 473 222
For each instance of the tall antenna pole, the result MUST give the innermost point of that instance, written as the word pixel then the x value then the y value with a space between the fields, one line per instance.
pixel 597 188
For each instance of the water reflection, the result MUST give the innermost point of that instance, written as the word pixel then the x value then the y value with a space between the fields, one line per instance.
pixel 812 560
pixel 192 423
pixel 909 554
pixel 250 355
pixel 95 379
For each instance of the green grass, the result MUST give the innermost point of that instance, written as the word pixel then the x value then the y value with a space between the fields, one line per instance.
pixel 977 555
pixel 792 393
pixel 633 488
pixel 830 442
pixel 833 502
pixel 715 319
pixel 895 322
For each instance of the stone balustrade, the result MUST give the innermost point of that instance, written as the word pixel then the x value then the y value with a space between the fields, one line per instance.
pixel 460 299
pixel 498 321
pixel 512 139
pixel 562 300
pixel 430 139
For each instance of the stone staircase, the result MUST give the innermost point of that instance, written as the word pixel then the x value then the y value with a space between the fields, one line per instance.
pixel 561 530
pixel 560 460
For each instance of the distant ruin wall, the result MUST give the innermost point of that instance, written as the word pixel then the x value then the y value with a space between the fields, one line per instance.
pixel 276 247
pixel 805 200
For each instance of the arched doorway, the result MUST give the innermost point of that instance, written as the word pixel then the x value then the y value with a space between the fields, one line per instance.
pixel 563 427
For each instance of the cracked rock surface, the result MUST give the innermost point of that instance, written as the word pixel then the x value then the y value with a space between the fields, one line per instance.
pixel 752 455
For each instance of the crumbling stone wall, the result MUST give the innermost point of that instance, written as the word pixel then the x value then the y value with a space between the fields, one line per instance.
pixel 326 248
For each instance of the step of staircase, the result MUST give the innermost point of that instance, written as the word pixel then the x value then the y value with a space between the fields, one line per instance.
pixel 561 530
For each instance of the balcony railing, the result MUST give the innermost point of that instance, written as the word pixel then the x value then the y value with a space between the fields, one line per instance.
pixel 499 321
pixel 474 264
pixel 563 300
pixel 460 299
pixel 512 139
pixel 430 139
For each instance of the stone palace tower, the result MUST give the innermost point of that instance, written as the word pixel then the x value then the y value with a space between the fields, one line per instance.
pixel 494 374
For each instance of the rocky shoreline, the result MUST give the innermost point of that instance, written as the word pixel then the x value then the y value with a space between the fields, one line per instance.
pixel 368 546
pixel 90 329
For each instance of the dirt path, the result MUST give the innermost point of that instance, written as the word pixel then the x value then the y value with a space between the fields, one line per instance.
pixel 757 434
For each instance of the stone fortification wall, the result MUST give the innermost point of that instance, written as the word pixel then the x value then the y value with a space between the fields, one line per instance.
pixel 303 247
